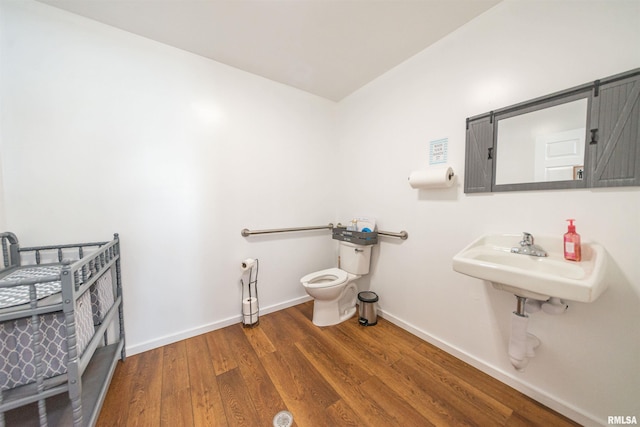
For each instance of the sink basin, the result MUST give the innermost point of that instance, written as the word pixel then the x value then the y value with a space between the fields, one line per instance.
pixel 490 258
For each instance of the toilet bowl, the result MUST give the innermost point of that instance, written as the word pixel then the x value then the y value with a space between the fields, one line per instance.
pixel 334 293
pixel 334 290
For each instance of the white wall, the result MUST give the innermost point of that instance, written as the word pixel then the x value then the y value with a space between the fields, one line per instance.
pixel 104 132
pixel 589 363
pixel 2 205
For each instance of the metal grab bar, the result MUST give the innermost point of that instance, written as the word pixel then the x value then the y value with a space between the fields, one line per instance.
pixel 401 235
pixel 246 232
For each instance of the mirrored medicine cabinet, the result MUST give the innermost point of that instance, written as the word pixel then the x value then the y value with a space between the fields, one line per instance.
pixel 583 137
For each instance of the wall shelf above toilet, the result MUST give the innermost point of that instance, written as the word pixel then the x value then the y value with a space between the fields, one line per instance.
pixel 357 237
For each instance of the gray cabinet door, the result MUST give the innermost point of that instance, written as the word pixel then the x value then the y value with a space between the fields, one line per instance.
pixel 478 164
pixel 615 153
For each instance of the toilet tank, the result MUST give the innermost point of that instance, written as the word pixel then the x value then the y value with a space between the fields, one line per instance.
pixel 354 258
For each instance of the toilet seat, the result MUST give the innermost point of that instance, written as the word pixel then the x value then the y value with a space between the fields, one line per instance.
pixel 324 278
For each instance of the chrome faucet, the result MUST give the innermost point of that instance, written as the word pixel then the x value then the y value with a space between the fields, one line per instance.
pixel 527 247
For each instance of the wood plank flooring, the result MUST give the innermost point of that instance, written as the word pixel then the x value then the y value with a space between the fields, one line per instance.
pixel 342 375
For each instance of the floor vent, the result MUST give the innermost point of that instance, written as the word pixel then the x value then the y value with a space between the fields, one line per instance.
pixel 283 419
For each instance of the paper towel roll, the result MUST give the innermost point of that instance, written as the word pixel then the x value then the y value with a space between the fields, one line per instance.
pixel 248 263
pixel 432 178
pixel 249 310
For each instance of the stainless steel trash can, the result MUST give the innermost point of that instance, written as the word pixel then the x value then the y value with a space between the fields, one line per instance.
pixel 368 308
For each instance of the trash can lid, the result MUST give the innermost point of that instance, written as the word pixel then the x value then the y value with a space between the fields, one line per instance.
pixel 368 296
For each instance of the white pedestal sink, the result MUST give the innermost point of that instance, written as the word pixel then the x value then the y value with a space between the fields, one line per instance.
pixel 489 258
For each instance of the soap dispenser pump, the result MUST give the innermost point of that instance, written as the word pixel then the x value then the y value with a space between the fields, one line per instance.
pixel 572 250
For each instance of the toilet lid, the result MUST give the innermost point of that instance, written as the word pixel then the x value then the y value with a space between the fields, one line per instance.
pixel 324 278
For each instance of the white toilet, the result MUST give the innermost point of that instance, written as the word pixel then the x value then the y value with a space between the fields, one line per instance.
pixel 334 290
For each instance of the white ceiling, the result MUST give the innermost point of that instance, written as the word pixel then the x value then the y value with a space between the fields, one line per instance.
pixel 326 47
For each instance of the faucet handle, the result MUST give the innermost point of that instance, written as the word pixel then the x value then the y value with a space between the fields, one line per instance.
pixel 527 239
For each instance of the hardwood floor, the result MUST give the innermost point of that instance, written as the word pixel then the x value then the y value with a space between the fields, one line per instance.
pixel 343 375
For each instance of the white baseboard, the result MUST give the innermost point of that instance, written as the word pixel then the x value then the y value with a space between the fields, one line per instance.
pixel 170 339
pixel 547 399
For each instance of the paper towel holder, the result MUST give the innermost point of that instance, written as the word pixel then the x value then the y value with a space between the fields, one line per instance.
pixel 432 178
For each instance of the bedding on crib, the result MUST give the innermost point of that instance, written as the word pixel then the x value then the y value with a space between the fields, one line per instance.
pixel 101 297
pixel 13 296
pixel 17 363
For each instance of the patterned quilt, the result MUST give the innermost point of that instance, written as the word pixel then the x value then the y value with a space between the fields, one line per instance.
pixel 20 294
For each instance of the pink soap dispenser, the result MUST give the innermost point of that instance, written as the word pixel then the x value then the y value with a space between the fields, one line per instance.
pixel 572 250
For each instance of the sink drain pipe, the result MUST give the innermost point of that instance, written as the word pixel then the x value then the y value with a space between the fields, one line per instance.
pixel 521 343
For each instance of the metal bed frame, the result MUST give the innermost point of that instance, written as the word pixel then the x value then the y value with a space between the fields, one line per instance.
pixel 74 398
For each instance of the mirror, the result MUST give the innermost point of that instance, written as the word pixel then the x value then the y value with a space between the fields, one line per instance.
pixel 587 136
pixel 543 145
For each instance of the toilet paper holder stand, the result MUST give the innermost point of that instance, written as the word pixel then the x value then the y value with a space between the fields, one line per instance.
pixel 250 305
